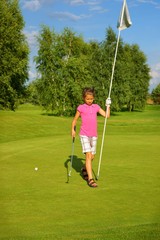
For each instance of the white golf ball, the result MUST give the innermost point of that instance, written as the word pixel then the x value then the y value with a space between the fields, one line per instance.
pixel 36 168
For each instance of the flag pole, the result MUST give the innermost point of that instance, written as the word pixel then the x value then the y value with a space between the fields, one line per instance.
pixel 114 63
pixel 111 80
pixel 105 121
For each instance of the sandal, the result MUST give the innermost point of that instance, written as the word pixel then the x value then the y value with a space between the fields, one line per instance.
pixel 84 174
pixel 92 183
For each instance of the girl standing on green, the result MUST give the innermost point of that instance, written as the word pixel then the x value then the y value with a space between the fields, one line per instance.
pixel 88 130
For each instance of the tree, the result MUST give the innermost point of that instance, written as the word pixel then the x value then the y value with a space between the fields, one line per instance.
pixel 31 94
pixel 14 54
pixel 156 94
pixel 63 65
pixel 47 64
pixel 67 64
pixel 131 74
pixel 139 79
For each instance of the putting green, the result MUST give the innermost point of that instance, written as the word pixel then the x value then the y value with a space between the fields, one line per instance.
pixel 41 205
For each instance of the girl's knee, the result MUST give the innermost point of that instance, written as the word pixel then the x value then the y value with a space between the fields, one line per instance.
pixel 89 155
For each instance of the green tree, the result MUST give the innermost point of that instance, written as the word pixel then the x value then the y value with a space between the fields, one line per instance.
pixel 67 64
pixel 97 71
pixel 156 94
pixel 31 93
pixel 63 65
pixel 14 53
pixel 139 79
pixel 131 74
pixel 47 64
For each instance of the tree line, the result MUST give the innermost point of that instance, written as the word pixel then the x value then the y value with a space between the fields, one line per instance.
pixel 65 64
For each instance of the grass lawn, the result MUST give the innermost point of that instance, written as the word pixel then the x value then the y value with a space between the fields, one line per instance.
pixel 41 205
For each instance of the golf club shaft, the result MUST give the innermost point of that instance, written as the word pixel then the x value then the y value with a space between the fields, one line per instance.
pixel 73 140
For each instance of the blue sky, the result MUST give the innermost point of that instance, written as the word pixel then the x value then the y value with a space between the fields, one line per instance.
pixel 91 18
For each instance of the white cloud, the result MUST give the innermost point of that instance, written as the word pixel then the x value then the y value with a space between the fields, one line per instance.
pixel 153 2
pixel 66 15
pixel 32 5
pixel 77 2
pixel 83 2
pixel 35 5
pixel 93 2
pixel 31 37
pixel 147 1
pixel 155 71
pixel 155 75
pixel 32 75
pixel 98 9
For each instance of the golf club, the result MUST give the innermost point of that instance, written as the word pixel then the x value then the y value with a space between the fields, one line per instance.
pixel 72 154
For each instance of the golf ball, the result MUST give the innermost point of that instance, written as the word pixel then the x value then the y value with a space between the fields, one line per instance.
pixel 36 168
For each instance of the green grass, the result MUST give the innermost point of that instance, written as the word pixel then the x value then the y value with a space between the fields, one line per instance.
pixel 41 205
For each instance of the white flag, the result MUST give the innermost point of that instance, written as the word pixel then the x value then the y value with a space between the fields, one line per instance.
pixel 124 19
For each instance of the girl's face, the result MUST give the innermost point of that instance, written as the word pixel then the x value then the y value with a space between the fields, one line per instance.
pixel 89 99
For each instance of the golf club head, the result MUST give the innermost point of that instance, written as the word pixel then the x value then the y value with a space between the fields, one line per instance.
pixel 97 177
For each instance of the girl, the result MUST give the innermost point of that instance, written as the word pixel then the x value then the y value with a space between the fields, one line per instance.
pixel 88 130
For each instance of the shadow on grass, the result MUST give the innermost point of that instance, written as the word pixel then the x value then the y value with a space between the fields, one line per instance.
pixel 77 164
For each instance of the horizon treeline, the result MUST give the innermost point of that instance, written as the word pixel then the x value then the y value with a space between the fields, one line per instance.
pixel 66 64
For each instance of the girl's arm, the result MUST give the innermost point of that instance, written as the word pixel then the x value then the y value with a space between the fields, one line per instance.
pixel 103 113
pixel 74 122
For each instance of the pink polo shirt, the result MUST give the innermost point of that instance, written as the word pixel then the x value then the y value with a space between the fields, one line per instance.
pixel 89 119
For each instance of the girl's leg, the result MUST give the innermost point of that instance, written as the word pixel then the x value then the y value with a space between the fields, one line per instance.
pixel 88 147
pixel 89 158
pixel 84 169
pixel 89 164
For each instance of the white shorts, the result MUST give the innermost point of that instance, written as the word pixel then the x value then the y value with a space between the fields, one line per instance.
pixel 89 144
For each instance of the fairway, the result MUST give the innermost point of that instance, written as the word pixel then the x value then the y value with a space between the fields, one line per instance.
pixel 45 204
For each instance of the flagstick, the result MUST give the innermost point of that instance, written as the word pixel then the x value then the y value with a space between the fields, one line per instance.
pixel 120 27
pixel 114 63
pixel 105 122
pixel 100 157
